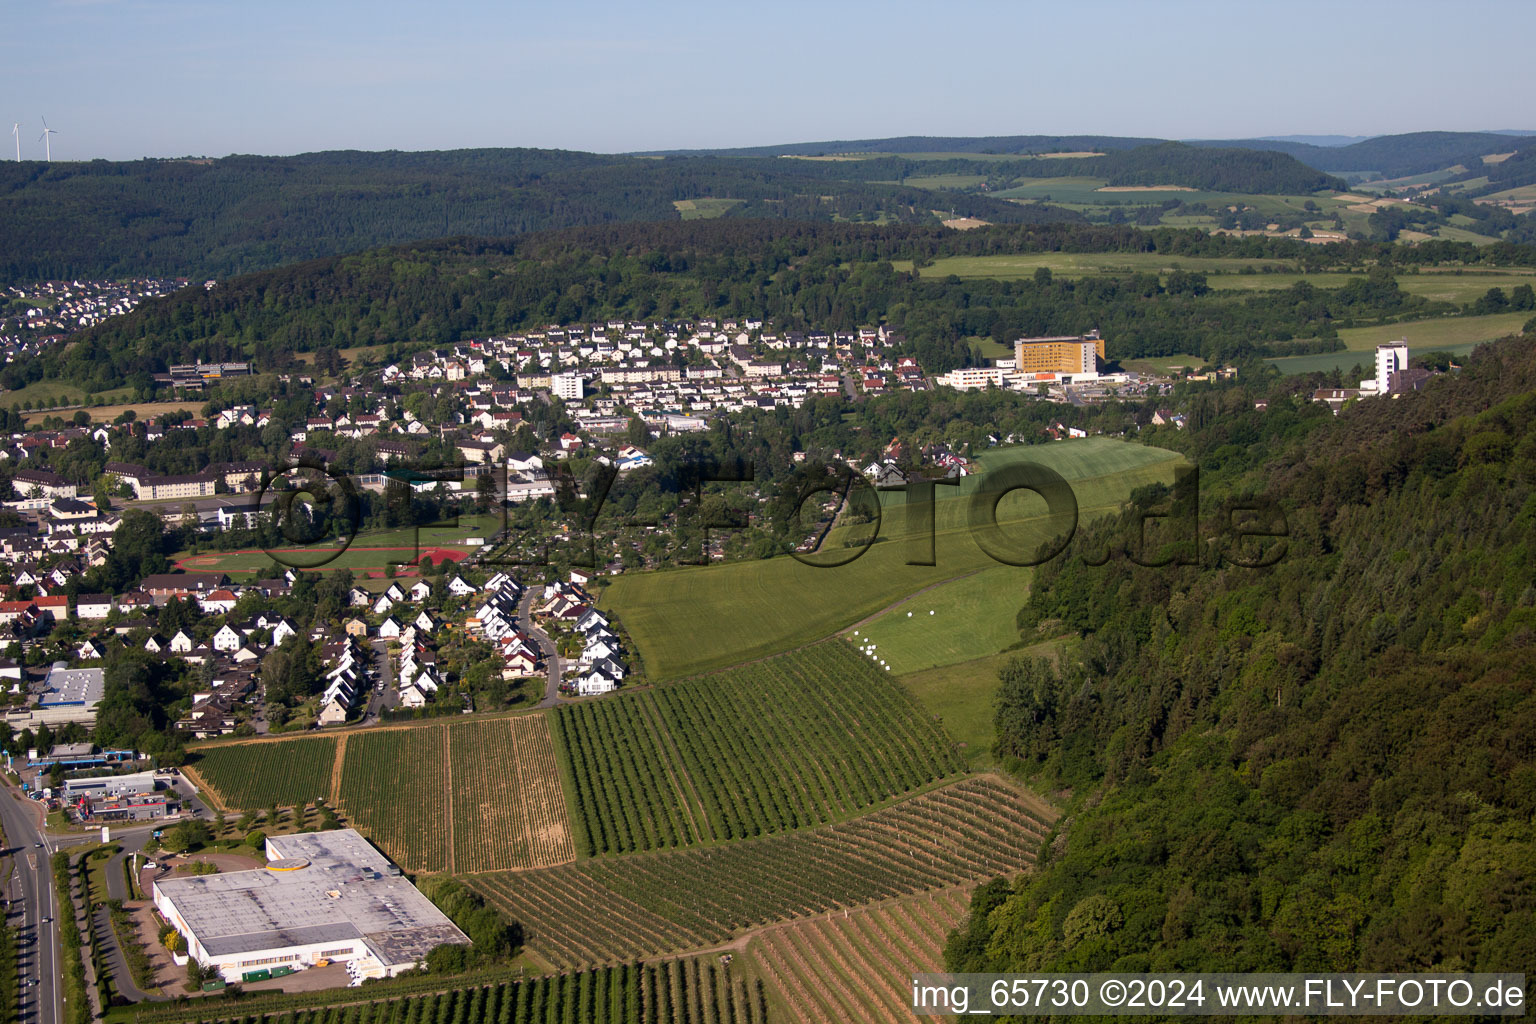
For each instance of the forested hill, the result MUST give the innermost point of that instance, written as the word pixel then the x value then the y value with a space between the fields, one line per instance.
pixel 215 218
pixel 1325 765
pixel 1389 155
pixel 1393 156
pixel 798 275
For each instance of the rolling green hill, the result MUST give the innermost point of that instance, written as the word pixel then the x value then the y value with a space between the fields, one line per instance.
pixel 757 608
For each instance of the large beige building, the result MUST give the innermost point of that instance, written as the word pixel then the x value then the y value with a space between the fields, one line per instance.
pixel 1065 354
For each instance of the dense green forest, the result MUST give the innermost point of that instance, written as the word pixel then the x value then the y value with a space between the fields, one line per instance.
pixel 1327 764
pixel 214 218
pixel 835 276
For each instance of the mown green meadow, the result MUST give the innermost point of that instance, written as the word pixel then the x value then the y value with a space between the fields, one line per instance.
pixel 693 620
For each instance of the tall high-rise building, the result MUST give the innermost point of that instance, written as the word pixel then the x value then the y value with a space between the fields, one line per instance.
pixel 1390 359
pixel 568 386
pixel 1064 354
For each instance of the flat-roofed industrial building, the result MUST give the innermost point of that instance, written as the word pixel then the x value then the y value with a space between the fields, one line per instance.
pixel 322 895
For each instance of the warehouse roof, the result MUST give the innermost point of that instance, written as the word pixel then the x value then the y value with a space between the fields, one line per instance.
pixel 317 887
pixel 67 686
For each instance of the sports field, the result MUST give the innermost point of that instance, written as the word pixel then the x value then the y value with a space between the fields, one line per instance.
pixel 754 609
pixel 369 551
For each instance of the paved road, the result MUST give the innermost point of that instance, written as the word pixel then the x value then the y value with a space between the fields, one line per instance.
pixel 30 896
pixel 546 645
pixel 112 956
pixel 382 699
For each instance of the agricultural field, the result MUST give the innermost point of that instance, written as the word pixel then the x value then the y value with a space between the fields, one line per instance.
pixel 255 776
pixel 396 790
pixel 508 808
pixel 613 909
pixel 801 739
pixel 692 991
pixel 854 965
pixel 760 608
pixel 473 794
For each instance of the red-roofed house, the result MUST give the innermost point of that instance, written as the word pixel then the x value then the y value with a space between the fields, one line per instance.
pixel 57 606
pixel 218 601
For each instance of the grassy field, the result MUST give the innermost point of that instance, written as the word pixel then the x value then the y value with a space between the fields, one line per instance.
pixel 1457 335
pixel 801 739
pixel 943 181
pixel 610 909
pixel 48 392
pixel 108 413
pixel 1164 364
pixel 1431 334
pixel 757 608
pixel 960 696
pixel 1523 194
pixel 704 209
pixel 956 621
pixel 1456 288
pixel 1073 264
pixel 852 966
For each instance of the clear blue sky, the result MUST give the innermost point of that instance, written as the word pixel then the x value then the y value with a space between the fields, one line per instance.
pixel 128 78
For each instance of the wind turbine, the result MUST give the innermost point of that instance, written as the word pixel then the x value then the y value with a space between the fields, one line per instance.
pixel 16 131
pixel 46 141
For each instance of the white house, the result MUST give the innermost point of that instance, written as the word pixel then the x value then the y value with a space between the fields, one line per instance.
pixel 389 628
pixel 383 604
pixel 228 639
pixel 458 588
pixel 181 643
pixel 420 591
pixel 93 606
